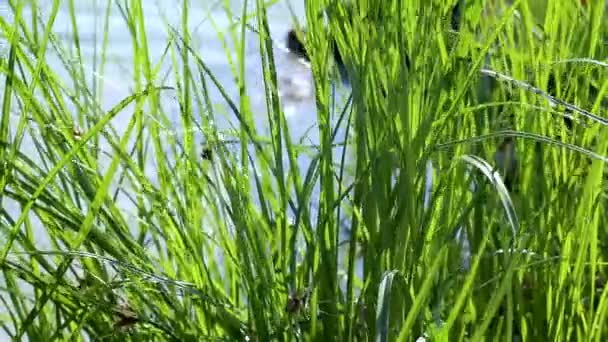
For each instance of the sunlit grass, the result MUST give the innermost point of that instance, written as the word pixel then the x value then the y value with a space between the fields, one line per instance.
pixel 235 241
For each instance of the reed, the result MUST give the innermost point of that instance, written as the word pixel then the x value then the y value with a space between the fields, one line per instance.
pixel 238 242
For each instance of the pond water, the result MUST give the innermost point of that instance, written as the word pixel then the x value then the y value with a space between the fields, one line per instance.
pixel 205 18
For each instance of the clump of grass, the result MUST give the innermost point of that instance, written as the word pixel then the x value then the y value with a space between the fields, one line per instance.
pixel 243 244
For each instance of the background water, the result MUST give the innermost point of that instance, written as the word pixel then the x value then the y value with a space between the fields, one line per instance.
pixel 205 19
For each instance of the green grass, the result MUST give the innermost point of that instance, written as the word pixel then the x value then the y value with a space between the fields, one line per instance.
pixel 246 245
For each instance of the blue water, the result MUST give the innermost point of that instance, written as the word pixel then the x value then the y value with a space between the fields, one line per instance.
pixel 117 80
pixel 205 19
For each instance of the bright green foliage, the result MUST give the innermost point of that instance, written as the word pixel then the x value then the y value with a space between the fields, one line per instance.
pixel 241 244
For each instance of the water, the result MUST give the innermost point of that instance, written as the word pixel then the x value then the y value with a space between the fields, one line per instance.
pixel 205 18
pixel 294 77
